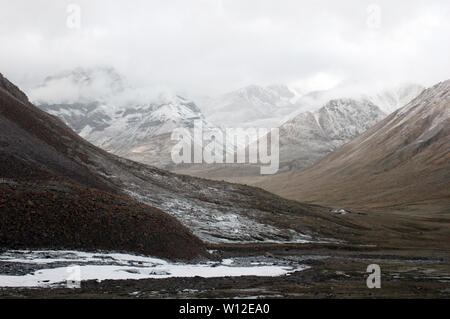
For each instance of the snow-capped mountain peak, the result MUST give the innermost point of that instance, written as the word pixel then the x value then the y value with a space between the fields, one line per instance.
pixel 311 135
pixel 126 121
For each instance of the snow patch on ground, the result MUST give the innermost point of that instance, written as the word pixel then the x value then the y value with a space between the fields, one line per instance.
pixel 111 266
pixel 216 224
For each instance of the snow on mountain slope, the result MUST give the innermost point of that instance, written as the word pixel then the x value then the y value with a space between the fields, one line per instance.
pixel 143 132
pixel 403 160
pixel 127 122
pixel 137 125
pixel 271 106
pixel 312 135
pixel 306 138
pixel 390 100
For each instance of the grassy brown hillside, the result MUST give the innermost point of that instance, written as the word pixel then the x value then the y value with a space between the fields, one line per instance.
pixel 404 161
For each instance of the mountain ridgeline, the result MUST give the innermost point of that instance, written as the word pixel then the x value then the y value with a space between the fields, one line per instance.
pixel 102 109
pixel 312 135
pixel 99 105
pixel 60 191
pixel 403 160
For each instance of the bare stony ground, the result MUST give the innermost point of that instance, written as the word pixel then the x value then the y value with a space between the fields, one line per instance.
pixel 332 274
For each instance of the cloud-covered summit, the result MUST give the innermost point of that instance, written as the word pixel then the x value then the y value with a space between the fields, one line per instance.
pixel 214 46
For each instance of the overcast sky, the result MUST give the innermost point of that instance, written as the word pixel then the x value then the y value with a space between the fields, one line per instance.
pixel 214 46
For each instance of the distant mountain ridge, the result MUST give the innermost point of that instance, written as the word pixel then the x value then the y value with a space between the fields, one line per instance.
pixel 99 105
pixel 138 129
pixel 272 106
pixel 216 212
pixel 251 106
pixel 403 160
pixel 313 135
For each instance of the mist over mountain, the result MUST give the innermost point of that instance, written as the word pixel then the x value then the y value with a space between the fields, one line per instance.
pixel 393 99
pixel 225 149
pixel 54 193
pixel 80 85
pixel 272 106
pixel 134 123
pixel 55 164
pixel 252 106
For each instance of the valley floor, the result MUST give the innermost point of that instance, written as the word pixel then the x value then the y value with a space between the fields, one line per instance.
pixel 411 247
pixel 331 272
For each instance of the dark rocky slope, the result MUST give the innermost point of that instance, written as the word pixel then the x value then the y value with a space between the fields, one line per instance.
pixel 51 198
pixel 59 214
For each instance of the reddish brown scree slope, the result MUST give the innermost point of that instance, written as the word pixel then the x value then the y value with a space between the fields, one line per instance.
pixel 58 214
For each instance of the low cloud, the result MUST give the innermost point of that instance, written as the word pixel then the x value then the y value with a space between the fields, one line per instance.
pixel 207 47
pixel 101 84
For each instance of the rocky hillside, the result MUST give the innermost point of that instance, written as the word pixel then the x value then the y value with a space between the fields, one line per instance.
pixel 37 144
pixel 51 196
